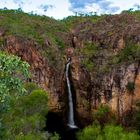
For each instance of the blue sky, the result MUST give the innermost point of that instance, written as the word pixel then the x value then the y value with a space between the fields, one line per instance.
pixel 62 8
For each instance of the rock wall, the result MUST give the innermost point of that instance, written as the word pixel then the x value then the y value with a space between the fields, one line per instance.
pixel 42 74
pixel 90 87
pixel 110 89
pixel 106 87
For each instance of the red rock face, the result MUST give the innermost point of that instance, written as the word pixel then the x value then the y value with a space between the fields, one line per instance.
pixel 94 86
pixel 41 73
pixel 69 52
pixel 137 88
pixel 110 89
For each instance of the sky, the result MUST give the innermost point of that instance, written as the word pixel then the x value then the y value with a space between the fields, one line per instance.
pixel 59 9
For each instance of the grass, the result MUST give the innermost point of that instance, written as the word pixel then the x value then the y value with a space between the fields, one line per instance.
pixel 31 26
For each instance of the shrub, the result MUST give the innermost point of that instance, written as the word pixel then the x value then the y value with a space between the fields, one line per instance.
pixel 12 73
pixel 31 26
pixel 129 54
pixel 30 87
pixel 88 51
pixel 89 133
pixel 88 64
pixel 104 115
pixel 130 86
pixel 27 116
pixel 112 132
pixel 109 132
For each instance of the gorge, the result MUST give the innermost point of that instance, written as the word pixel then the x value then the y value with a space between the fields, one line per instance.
pixel 82 62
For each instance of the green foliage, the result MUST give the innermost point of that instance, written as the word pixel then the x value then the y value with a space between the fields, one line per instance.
pixel 88 51
pixel 112 132
pixel 27 117
pixel 88 64
pixel 1 42
pixel 104 115
pixel 135 13
pixel 30 137
pixel 109 132
pixel 130 86
pixel 104 69
pixel 72 21
pixel 89 133
pixel 102 111
pixel 138 117
pixel 54 58
pixel 60 43
pixel 31 26
pixel 30 87
pixel 130 53
pixel 37 136
pixel 12 71
pixel 54 137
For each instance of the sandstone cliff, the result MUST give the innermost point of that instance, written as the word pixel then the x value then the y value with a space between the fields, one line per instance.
pixel 105 64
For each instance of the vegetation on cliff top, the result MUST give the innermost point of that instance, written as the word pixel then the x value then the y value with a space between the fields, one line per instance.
pixel 38 28
pixel 31 26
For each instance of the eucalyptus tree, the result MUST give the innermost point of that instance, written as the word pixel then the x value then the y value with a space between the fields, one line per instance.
pixel 13 71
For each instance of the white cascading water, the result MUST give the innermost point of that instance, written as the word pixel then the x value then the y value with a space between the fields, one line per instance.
pixel 71 122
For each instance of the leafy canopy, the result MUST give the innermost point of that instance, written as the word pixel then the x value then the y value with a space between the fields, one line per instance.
pixel 109 132
pixel 28 118
pixel 12 73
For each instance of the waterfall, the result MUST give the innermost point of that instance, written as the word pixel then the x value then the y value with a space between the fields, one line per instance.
pixel 71 122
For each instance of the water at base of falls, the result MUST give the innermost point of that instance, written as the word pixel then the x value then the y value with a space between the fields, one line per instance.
pixel 71 123
pixel 55 124
pixel 72 126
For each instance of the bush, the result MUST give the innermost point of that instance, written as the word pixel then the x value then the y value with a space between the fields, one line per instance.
pixel 87 64
pixel 130 86
pixel 89 133
pixel 27 117
pixel 104 115
pixel 31 26
pixel 87 52
pixel 130 53
pixel 109 132
pixel 30 87
pixel 112 132
pixel 12 73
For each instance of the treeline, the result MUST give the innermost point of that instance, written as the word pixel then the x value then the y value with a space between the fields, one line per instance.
pixel 23 106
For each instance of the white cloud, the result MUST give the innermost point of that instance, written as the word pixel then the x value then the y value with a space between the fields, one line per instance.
pixel 106 6
pixel 125 4
pixel 61 8
pixel 94 8
pixel 8 4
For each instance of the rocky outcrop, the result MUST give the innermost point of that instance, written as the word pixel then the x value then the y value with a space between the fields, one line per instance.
pixel 42 73
pixel 111 89
pixel 105 85
pixel 95 78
